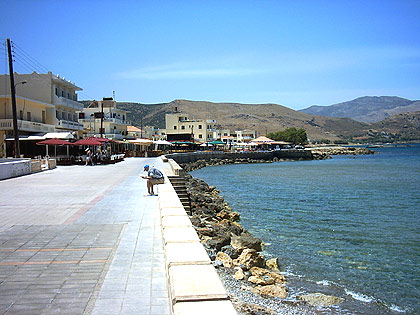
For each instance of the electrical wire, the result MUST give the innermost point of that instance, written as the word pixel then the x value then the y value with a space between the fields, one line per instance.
pixel 19 50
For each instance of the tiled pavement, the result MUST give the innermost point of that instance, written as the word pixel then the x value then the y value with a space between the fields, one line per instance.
pixel 82 240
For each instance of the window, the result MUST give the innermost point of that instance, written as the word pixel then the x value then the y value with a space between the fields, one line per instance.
pixel 44 116
pixel 21 114
pixel 68 95
pixel 28 116
pixel 200 127
pixel 200 136
pixel 62 93
pixel 56 91
pixel 174 127
pixel 182 127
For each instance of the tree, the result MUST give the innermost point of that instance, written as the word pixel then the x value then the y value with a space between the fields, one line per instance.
pixel 293 135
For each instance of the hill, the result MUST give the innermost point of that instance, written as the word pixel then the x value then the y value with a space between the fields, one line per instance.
pixel 404 127
pixel 368 109
pixel 263 118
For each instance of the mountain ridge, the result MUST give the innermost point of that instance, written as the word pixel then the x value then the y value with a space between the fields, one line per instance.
pixel 368 109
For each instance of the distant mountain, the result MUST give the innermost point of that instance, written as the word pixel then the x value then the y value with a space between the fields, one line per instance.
pixel 263 118
pixel 368 109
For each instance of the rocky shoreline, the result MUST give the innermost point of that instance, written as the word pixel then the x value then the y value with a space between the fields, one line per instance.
pixel 321 153
pixel 318 153
pixel 255 284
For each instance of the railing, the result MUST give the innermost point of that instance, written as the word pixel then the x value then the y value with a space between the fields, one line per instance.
pixel 117 121
pixel 117 136
pixel 6 124
pixel 70 125
pixel 112 120
pixel 67 102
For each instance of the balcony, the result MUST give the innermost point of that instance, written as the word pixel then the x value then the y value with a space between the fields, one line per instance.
pixel 115 136
pixel 65 124
pixel 24 125
pixel 67 103
pixel 116 121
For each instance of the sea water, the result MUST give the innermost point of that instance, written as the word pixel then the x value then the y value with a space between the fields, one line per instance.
pixel 347 226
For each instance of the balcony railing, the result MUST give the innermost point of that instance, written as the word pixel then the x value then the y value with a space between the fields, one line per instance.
pixel 117 136
pixel 24 125
pixel 69 125
pixel 111 120
pixel 68 103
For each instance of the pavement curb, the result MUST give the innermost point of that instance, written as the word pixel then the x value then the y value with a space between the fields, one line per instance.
pixel 194 285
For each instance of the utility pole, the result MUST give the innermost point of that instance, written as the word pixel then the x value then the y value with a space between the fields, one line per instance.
pixel 13 94
pixel 102 116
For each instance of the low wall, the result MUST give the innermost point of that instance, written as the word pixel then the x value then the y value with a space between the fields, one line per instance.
pixel 14 167
pixel 264 155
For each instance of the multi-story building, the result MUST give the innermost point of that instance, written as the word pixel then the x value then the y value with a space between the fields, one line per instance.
pixel 179 126
pixel 114 122
pixel 245 135
pixel 44 102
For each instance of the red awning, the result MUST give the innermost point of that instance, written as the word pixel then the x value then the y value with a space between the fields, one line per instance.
pixel 54 141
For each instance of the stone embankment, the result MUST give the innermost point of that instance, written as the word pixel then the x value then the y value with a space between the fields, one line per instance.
pixel 321 153
pixel 230 246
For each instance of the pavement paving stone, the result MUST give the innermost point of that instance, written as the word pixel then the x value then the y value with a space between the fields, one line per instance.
pixel 97 249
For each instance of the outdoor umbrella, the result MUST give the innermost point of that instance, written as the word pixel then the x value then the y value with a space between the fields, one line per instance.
pixel 54 142
pixel 161 142
pixel 91 141
pixel 100 139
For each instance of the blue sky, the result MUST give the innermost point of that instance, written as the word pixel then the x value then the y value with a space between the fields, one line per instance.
pixel 293 53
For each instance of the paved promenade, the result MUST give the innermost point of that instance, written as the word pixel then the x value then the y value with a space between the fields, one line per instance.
pixel 82 240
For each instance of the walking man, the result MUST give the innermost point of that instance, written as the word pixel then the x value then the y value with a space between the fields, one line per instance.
pixel 154 177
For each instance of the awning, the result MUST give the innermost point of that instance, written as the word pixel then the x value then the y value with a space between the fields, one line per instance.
pixel 59 135
pixel 217 142
pixel 162 142
pixel 141 141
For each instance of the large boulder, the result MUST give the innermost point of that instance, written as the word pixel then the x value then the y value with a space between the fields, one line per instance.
pixel 219 241
pixel 265 276
pixel 263 280
pixel 319 299
pixel 228 249
pixel 249 258
pixel 275 290
pixel 225 259
pixel 239 274
pixel 272 264
pixel 246 240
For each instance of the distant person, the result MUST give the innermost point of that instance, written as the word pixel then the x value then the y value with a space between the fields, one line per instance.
pixel 154 177
pixel 89 157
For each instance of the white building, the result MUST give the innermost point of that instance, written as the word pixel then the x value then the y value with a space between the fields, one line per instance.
pixel 44 102
pixel 180 126
pixel 114 123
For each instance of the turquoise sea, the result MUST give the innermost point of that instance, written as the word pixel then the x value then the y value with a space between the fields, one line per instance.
pixel 348 226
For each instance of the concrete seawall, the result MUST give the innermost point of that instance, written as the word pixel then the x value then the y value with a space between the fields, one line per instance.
pixel 263 155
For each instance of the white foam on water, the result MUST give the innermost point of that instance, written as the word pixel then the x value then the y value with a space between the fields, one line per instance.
pixel 359 296
pixel 324 283
pixel 396 308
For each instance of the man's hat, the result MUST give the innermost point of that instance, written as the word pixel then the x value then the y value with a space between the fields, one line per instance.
pixel 146 166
